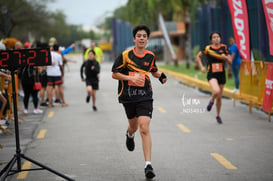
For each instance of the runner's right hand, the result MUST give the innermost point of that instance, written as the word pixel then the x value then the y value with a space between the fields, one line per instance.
pixel 137 79
pixel 203 69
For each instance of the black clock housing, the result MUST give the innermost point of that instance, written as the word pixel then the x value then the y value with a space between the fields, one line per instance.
pixel 13 59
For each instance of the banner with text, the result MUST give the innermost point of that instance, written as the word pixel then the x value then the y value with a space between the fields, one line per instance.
pixel 239 16
pixel 268 13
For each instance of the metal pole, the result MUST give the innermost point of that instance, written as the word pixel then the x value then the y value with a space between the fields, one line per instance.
pixel 17 138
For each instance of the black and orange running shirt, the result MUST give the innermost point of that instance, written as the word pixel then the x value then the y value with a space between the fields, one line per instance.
pixel 129 63
pixel 215 60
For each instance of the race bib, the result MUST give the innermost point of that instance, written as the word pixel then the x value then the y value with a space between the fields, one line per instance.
pixel 142 76
pixel 217 67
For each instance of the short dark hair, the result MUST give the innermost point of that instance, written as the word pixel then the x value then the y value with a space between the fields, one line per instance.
pixel 93 51
pixel 55 47
pixel 141 27
pixel 215 32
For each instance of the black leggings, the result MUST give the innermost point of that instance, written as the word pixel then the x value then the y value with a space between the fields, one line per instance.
pixel 28 90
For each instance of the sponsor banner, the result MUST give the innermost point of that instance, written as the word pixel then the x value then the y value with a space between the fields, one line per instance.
pixel 268 12
pixel 239 16
pixel 268 92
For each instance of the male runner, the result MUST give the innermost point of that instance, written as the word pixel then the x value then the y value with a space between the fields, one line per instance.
pixel 132 69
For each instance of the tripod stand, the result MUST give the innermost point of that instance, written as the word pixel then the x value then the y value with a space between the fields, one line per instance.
pixel 7 170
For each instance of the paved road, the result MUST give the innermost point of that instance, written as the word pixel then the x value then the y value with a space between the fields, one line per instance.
pixel 188 144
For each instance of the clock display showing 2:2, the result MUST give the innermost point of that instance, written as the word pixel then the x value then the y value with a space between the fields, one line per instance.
pixel 12 59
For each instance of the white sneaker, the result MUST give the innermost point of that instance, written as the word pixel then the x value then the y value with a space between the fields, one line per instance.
pixel 4 126
pixel 235 90
pixel 2 121
pixel 21 93
pixel 38 111
pixel 25 111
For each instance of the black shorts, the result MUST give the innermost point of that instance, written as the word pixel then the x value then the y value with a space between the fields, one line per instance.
pixel 136 109
pixel 54 80
pixel 220 77
pixel 43 79
pixel 93 84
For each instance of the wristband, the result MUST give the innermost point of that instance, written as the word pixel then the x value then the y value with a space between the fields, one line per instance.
pixel 163 76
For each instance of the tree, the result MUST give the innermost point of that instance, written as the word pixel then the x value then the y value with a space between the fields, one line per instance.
pixel 20 16
pixel 147 14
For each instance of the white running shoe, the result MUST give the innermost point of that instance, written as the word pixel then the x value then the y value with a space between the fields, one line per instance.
pixel 21 93
pixel 234 91
pixel 25 111
pixel 38 111
pixel 2 121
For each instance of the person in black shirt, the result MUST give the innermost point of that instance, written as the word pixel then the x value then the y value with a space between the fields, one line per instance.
pixel 91 69
pixel 28 78
pixel 132 69
pixel 216 54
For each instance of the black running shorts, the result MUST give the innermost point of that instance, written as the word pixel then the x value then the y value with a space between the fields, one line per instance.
pixel 220 77
pixel 54 80
pixel 136 109
pixel 93 84
pixel 43 79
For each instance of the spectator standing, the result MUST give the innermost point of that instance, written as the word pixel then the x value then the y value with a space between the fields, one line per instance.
pixel 43 80
pixel 54 76
pixel 3 99
pixel 98 51
pixel 28 77
pixel 51 43
pixel 236 62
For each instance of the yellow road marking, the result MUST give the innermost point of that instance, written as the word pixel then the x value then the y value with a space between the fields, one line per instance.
pixel 41 134
pixel 223 161
pixel 23 175
pixel 50 114
pixel 183 128
pixel 161 109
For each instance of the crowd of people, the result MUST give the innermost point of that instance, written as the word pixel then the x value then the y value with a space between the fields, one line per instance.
pixel 49 77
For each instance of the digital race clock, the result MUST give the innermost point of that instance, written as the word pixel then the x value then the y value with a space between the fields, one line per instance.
pixel 12 59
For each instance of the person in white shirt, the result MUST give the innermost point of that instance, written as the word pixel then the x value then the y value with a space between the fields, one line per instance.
pixel 54 76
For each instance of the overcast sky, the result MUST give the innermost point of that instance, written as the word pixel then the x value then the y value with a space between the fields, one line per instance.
pixel 86 12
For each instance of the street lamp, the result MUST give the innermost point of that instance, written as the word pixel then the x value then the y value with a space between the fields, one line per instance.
pixel 4 11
